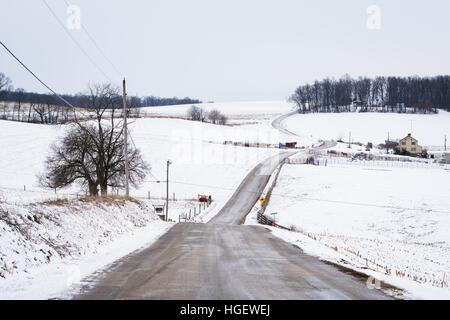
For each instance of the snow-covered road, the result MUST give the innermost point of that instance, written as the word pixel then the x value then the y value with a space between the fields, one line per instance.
pixel 277 123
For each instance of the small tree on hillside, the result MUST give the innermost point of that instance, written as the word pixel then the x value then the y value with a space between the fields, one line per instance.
pixel 222 120
pixel 196 113
pixel 390 145
pixel 214 116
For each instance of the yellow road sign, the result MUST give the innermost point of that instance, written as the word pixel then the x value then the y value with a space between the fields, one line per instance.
pixel 262 199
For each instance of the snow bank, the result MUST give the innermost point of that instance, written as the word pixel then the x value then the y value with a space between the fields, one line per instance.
pixel 37 236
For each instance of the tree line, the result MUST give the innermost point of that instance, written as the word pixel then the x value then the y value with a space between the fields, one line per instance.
pixel 380 94
pixel 20 105
pixel 80 100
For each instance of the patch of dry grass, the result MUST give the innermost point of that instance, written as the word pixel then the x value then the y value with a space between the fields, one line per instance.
pixel 106 200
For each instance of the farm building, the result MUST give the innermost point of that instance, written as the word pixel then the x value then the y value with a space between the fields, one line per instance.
pixel 410 145
pixel 446 156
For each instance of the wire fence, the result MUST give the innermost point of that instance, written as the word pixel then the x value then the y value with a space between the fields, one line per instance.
pixel 323 158
pixel 193 212
pixel 368 156
pixel 28 190
pixel 382 163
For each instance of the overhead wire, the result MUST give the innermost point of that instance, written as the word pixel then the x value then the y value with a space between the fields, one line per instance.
pixel 35 76
pixel 97 46
pixel 308 198
pixel 75 41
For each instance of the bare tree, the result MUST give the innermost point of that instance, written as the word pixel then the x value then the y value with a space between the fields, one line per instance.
pixel 5 83
pixel 71 161
pixel 5 111
pixel 389 145
pixel 30 108
pixel 196 113
pixel 20 95
pixel 214 115
pixel 39 109
pixel 134 106
pixel 92 152
pixel 222 120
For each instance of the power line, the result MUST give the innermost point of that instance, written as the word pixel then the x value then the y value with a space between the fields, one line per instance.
pixel 35 76
pixel 97 46
pixel 129 134
pixel 157 180
pixel 75 41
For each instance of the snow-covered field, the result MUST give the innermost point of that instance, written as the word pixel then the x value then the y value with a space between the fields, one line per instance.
pixel 199 157
pixel 372 127
pixel 23 149
pixel 198 166
pixel 391 223
pixel 258 110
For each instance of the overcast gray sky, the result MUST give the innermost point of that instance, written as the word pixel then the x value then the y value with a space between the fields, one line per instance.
pixel 229 50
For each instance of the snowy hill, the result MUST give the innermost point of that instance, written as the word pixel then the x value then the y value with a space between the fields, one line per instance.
pixel 234 110
pixel 46 246
pixel 429 129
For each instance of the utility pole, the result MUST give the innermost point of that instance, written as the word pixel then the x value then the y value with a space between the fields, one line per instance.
pixel 167 190
pixel 445 143
pixel 350 140
pixel 125 132
pixel 387 144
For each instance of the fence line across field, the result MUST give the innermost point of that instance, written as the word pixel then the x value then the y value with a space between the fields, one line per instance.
pixel 384 164
pixel 193 212
pixel 382 157
pixel 323 159
pixel 33 190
